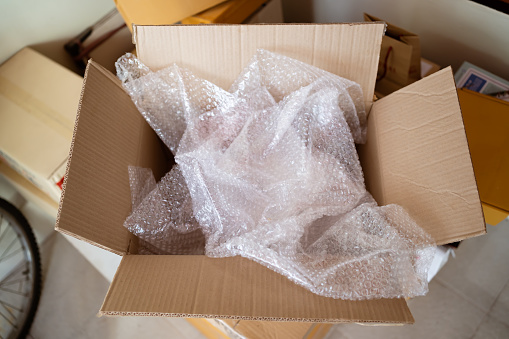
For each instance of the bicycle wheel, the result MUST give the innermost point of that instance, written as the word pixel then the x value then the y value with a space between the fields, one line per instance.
pixel 20 273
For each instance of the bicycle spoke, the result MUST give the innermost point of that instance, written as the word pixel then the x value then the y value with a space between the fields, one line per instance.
pixel 13 291
pixel 10 322
pixel 20 275
pixel 12 282
pixel 14 272
pixel 12 315
pixel 11 254
pixel 2 233
pixel 8 248
pixel 4 304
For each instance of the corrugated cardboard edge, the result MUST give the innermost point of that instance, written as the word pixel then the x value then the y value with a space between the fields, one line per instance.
pixel 482 232
pixel 145 286
pixel 279 319
pixel 57 228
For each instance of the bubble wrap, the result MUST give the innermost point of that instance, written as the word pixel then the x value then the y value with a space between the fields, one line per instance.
pixel 269 171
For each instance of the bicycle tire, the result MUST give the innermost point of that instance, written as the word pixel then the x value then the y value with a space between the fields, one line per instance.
pixel 25 230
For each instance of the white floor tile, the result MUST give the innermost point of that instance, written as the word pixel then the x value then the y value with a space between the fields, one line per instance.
pixel 500 308
pixel 128 327
pixel 72 293
pixel 441 314
pixel 480 269
pixel 491 328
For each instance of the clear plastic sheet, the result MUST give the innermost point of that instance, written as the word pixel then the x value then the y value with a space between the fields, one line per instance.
pixel 269 171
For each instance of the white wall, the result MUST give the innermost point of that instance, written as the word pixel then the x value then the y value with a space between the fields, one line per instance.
pixel 451 31
pixel 47 23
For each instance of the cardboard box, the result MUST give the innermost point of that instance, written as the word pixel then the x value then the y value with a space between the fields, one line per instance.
pixel 228 12
pixel 239 329
pixel 416 156
pixel 28 190
pixel 38 98
pixel 160 12
pixel 486 121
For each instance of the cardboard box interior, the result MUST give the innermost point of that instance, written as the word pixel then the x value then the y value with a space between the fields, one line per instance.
pixel 416 156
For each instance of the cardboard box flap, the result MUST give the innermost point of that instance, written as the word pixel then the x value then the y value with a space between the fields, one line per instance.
pixel 109 135
pixel 486 121
pixel 218 53
pixel 423 161
pixel 198 286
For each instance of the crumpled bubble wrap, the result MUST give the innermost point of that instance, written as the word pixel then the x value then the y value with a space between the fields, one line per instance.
pixel 269 171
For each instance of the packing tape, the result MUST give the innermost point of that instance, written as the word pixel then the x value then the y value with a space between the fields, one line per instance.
pixel 36 108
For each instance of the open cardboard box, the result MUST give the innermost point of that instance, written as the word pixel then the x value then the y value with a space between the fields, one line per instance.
pixel 416 156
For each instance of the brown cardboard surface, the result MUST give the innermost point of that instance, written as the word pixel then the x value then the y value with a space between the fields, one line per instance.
pixel 349 50
pixel 486 124
pixel 423 161
pixel 38 102
pixel 238 288
pixel 160 12
pixel 230 12
pixel 110 134
pixel 493 215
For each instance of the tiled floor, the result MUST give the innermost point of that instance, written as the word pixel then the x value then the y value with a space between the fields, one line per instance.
pixel 469 298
